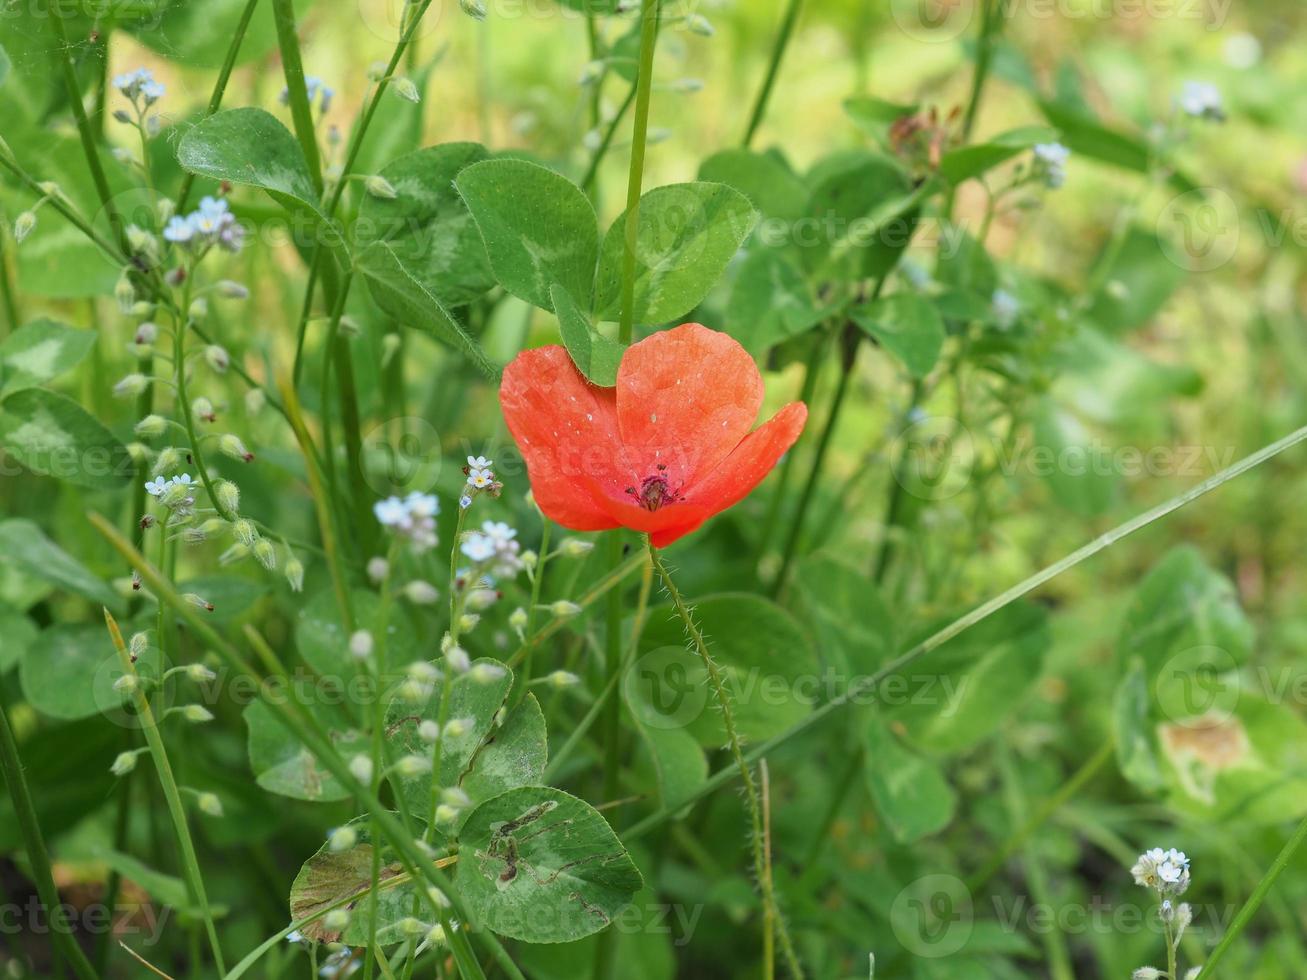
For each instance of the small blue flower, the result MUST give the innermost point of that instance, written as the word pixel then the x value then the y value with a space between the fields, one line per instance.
pixel 139 84
pixel 318 91
pixel 1050 163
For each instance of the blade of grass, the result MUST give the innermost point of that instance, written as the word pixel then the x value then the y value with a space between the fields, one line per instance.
pixel 773 68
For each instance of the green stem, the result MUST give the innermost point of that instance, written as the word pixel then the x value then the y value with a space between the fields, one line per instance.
pixel 980 613
pixel 733 740
pixel 86 132
pixel 171 794
pixel 773 68
pixel 781 490
pixel 301 113
pixel 219 88
pixel 640 132
pixel 989 20
pixel 592 171
pixel 379 632
pixel 1037 819
pixel 537 579
pixel 179 358
pixel 894 506
pixel 819 458
pixel 1255 900
pixel 39 858
pixel 1055 948
pixel 302 725
pixel 115 252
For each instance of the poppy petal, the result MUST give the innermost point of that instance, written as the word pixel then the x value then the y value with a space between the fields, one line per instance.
pixel 685 399
pixel 741 471
pixel 567 431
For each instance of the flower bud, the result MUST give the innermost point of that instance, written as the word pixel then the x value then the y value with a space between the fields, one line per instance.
pixel 146 333
pixel 235 553
pixel 423 671
pixel 699 24
pixel 564 609
pixel 360 644
pixel 151 427
pixel 342 839
pixel 458 660
pixel 229 289
pixel 24 225
pixel 131 386
pixel 203 409
pixel 137 645
pixel 517 619
pixel 378 569
pixel 436 935
pixel 198 601
pixel 575 547
pixel 231 445
pixel 265 553
pixel 457 727
pixel 529 559
pixel 255 399
pixel 245 531
pixel 420 592
pixel 562 678
pixel 196 713
pixel 199 674
pixel 411 927
pixel 412 766
pixel 428 731
pixel 210 804
pixel 228 495
pixel 405 89
pixel 455 796
pixel 217 358
pixel 139 452
pixel 169 458
pixel 336 920
pixel 125 293
pixel 198 311
pixel 360 767
pixel 468 622
pixel 486 672
pixel 123 763
pixel 126 684
pixel 295 573
pixel 475 9
pixel 446 814
pixel 379 186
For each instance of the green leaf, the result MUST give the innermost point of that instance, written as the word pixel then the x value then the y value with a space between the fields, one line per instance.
pixel 770 302
pixel 329 876
pixel 1183 604
pixel 911 793
pixel 323 642
pixel 1136 751
pixel 967 162
pixel 686 235
pixel 24 546
pixel 427 226
pixel 54 436
pixel 40 351
pixel 862 204
pixel 283 765
pixel 19 632
pixel 250 146
pixel 1085 135
pixel 771 187
pixel 69 672
pixel 1071 460
pixel 680 765
pixel 538 227
pixel 768 666
pixel 487 757
pixel 401 295
pixel 596 356
pixel 849 617
pixel 1140 278
pixel 908 326
pixel 539 865
pixel 973 682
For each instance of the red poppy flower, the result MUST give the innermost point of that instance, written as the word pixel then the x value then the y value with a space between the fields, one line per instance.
pixel 663 451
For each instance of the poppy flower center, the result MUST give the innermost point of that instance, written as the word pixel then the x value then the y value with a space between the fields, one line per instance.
pixel 654 491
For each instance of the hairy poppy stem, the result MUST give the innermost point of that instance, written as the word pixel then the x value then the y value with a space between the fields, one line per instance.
pixel 760 859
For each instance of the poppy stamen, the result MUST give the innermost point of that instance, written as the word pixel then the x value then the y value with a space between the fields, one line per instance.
pixel 655 491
